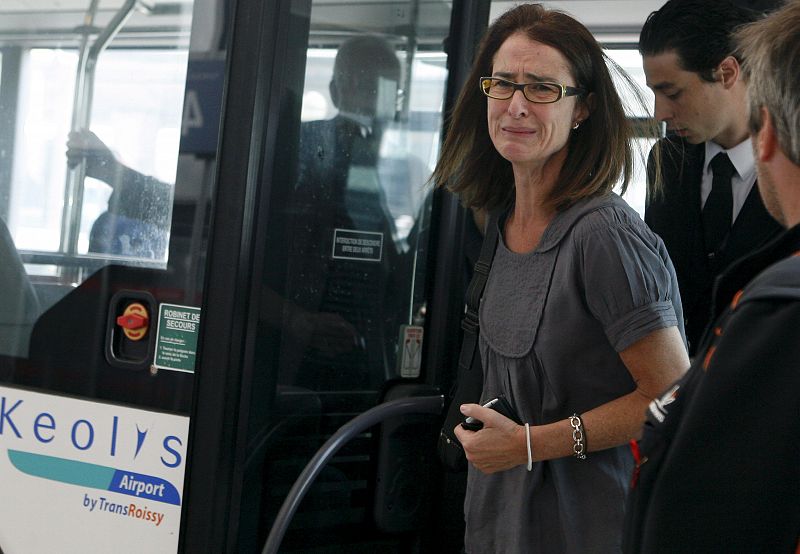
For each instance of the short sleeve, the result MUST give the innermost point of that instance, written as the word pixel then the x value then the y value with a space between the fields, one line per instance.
pixel 629 282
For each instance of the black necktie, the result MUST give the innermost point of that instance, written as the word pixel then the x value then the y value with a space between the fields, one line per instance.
pixel 718 210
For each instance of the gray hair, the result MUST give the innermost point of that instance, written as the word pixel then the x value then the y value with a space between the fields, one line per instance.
pixel 771 51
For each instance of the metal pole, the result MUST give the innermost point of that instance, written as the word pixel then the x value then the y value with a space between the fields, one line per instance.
pixel 78 116
pixel 82 114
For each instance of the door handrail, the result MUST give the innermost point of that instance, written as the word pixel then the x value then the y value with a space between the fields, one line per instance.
pixel 82 100
pixel 357 425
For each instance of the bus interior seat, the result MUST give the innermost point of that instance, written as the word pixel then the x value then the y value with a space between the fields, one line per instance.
pixel 19 306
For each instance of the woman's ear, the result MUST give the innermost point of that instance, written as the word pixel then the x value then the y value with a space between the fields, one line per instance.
pixel 591 100
pixel 583 108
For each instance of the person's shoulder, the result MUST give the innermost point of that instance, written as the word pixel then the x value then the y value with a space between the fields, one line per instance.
pixel 322 127
pixel 676 151
pixel 312 129
pixel 677 143
pixel 613 220
pixel 781 280
pixel 763 317
pixel 317 140
pixel 607 212
pixel 680 163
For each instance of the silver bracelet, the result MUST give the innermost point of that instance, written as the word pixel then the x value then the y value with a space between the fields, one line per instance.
pixel 579 448
pixel 528 445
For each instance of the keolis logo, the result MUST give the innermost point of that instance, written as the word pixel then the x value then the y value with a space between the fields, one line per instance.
pixel 83 449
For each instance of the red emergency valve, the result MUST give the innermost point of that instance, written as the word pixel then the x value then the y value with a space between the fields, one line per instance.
pixel 131 321
pixel 134 321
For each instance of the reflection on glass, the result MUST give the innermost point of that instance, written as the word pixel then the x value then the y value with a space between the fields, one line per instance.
pixel 355 213
pixel 112 99
pixel 343 292
pixel 119 101
pixel 343 241
pixel 347 258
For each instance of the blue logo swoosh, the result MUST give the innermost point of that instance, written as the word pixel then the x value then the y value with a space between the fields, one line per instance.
pixel 95 476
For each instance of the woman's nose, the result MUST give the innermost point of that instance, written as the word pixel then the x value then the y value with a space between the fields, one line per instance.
pixel 518 104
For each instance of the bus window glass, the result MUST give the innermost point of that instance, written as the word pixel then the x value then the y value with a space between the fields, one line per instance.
pixel 342 305
pixel 125 83
pixel 89 157
pixel 356 210
pixel 416 141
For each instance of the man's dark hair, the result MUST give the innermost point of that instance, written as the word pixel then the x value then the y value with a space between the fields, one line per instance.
pixel 699 31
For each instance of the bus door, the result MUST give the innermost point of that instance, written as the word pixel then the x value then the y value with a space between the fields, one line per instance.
pixel 110 116
pixel 218 245
pixel 334 283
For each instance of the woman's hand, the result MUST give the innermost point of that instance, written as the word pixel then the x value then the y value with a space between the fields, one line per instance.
pixel 499 446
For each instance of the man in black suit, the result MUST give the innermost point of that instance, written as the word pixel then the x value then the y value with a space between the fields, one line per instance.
pixel 708 212
pixel 717 467
pixel 343 249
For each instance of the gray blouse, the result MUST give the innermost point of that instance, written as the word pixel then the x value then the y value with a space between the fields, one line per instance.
pixel 552 324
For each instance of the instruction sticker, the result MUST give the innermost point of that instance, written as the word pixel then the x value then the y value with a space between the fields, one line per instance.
pixel 357 245
pixel 410 350
pixel 176 339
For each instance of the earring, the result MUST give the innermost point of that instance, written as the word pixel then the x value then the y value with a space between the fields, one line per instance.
pixel 577 124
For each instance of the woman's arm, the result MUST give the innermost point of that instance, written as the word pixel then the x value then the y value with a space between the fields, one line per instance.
pixel 654 362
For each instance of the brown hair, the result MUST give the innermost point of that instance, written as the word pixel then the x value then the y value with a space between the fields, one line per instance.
pixel 599 151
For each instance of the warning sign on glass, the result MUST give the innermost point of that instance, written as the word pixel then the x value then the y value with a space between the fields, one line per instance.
pixel 357 245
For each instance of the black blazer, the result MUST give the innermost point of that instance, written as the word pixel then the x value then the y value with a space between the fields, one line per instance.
pixel 675 215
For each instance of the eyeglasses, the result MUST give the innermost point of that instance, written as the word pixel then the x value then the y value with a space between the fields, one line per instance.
pixel 539 93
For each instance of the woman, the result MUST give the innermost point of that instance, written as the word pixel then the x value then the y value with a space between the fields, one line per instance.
pixel 580 323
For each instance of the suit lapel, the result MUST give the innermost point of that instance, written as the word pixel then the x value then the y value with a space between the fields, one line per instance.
pixel 691 181
pixel 752 228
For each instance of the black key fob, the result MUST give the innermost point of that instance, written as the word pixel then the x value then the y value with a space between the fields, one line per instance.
pixel 500 405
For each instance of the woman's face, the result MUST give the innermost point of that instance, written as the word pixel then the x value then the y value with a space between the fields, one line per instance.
pixel 525 133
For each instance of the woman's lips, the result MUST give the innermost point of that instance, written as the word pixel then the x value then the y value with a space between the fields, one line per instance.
pixel 519 130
